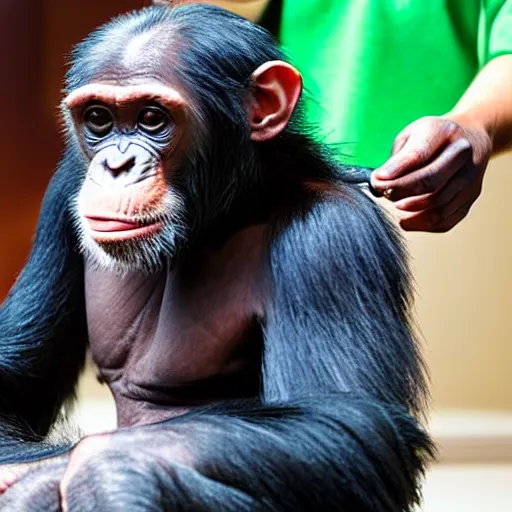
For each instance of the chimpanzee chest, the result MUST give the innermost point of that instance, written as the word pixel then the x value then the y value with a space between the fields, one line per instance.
pixel 184 337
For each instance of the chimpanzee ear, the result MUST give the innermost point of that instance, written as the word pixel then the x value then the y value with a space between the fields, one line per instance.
pixel 276 89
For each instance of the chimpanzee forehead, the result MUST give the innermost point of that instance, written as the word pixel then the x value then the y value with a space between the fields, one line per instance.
pixel 147 57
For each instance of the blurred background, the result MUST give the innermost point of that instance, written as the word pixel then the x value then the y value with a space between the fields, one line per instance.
pixel 464 278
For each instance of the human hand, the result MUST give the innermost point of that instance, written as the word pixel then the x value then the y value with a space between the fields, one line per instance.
pixel 435 172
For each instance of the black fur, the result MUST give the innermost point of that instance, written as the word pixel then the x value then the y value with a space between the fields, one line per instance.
pixel 341 374
pixel 43 332
pixel 351 314
pixel 332 452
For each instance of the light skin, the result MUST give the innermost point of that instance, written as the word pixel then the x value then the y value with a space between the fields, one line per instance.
pixel 437 164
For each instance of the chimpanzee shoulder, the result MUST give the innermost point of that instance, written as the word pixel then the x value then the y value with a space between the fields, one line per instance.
pixel 341 292
pixel 330 224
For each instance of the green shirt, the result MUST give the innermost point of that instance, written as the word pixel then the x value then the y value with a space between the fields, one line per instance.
pixel 374 66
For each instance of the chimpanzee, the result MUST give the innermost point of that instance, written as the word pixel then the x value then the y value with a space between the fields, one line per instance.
pixel 248 307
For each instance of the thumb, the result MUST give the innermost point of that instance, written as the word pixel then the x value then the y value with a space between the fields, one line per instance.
pixel 412 152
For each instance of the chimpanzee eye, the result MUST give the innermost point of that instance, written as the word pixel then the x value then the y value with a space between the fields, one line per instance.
pixel 153 120
pixel 98 120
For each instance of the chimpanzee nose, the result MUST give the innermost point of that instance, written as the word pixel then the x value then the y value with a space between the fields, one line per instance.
pixel 118 163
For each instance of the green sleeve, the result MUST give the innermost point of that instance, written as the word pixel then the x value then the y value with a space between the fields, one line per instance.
pixel 495 30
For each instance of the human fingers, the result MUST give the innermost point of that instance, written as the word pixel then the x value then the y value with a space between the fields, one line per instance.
pixel 433 177
pixel 415 147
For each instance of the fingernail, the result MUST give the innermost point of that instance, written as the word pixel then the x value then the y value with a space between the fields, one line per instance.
pixel 382 173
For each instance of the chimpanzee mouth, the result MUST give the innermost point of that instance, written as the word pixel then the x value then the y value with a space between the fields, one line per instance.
pixel 104 228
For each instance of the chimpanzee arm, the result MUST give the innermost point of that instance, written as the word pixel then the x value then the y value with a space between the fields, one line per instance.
pixel 339 319
pixel 43 332
pixel 330 452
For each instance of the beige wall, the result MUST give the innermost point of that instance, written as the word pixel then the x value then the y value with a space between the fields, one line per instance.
pixel 464 305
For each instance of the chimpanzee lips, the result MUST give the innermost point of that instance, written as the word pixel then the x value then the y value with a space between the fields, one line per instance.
pixel 103 227
pixel 108 225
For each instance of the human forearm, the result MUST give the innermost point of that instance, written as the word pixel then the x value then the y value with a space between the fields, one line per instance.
pixel 487 103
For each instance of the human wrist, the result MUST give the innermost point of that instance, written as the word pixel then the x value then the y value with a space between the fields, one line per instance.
pixel 473 121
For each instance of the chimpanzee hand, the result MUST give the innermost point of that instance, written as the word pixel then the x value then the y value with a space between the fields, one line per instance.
pixel 98 471
pixel 32 486
pixel 435 172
